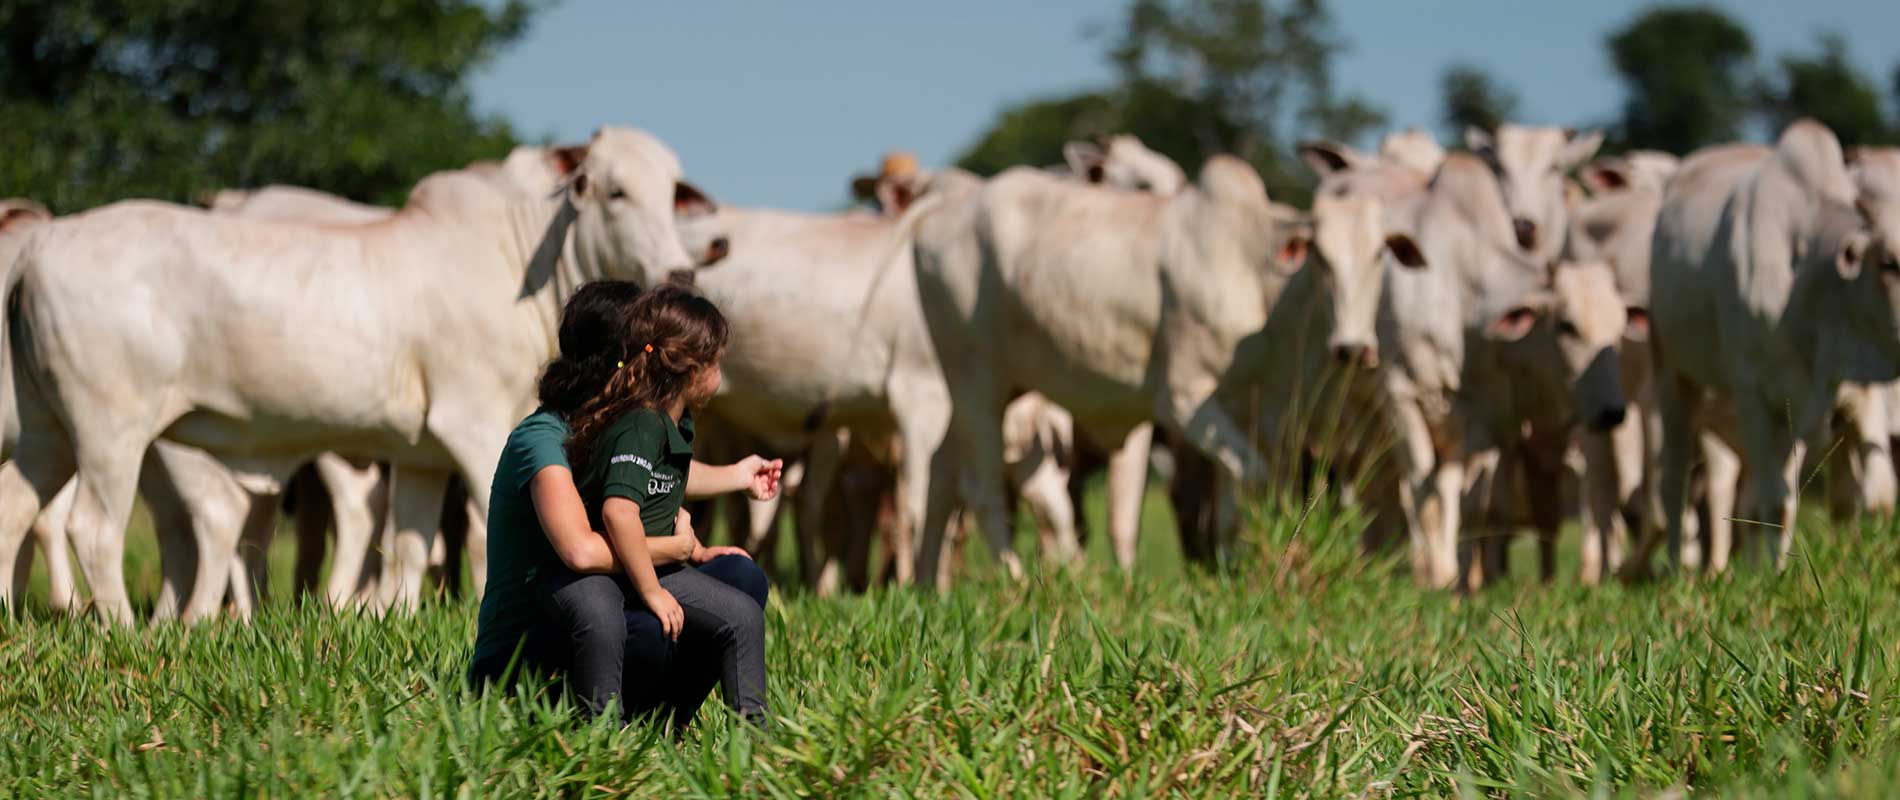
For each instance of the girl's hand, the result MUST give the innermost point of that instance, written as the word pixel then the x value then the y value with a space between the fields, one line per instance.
pixel 761 475
pixel 683 523
pixel 662 604
pixel 702 555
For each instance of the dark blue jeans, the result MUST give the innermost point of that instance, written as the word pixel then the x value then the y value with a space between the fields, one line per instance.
pixel 609 646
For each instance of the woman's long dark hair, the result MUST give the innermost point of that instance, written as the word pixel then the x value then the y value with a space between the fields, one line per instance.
pixel 593 325
pixel 674 335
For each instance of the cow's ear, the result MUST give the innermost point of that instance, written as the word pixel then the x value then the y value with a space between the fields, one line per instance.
pixel 1478 140
pixel 1853 251
pixel 1604 177
pixel 1085 159
pixel 894 195
pixel 689 201
pixel 1325 158
pixel 18 217
pixel 1406 250
pixel 1579 147
pixel 1512 325
pixel 566 160
pixel 1636 329
pixel 578 184
pixel 1292 253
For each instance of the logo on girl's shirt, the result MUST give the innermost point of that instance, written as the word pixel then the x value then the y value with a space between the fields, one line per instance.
pixel 661 484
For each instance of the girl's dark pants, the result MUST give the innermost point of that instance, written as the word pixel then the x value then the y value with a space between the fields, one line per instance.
pixel 605 639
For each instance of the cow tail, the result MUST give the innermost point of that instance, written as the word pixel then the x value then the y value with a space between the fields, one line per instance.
pixel 12 248
pixel 901 241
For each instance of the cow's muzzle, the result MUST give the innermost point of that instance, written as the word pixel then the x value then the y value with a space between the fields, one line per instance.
pixel 1526 232
pixel 1608 418
pixel 1356 354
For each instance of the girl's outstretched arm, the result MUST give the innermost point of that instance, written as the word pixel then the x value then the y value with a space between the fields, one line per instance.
pixel 755 475
pixel 628 536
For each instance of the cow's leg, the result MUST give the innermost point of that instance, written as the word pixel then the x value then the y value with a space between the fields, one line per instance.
pixel 1766 446
pixel 1046 491
pixel 1544 477
pixel 258 531
pixel 311 507
pixel 1205 425
pixel 1442 510
pixel 474 443
pixel 108 481
pixel 1191 491
pixel 1788 504
pixel 1477 500
pixel 1722 475
pixel 49 530
pixel 822 462
pixel 417 507
pixel 1127 486
pixel 178 533
pixel 1601 509
pixel 926 483
pixel 475 547
pixel 1677 403
pixel 41 467
pixel 358 500
pixel 449 551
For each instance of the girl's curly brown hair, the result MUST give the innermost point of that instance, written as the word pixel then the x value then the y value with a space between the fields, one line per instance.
pixel 674 335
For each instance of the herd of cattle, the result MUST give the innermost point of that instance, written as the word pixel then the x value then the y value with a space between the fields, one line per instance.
pixel 1484 339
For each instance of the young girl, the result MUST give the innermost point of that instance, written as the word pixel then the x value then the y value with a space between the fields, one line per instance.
pixel 552 600
pixel 636 444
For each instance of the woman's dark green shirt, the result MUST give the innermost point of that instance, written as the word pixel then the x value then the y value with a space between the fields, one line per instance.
pixel 518 550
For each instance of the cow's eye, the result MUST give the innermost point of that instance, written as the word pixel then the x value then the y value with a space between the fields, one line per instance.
pixel 617 194
pixel 1566 328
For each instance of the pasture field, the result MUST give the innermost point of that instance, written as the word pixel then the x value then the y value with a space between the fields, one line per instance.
pixel 1308 672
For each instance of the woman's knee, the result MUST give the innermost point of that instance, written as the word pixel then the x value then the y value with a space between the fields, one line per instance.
pixel 740 573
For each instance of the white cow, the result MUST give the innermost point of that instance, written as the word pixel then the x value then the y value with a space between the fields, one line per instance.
pixel 1476 286
pixel 1120 306
pixel 1531 164
pixel 1615 226
pixel 295 203
pixel 1122 160
pixel 1769 290
pixel 786 282
pixel 284 350
pixel 1870 411
pixel 1523 401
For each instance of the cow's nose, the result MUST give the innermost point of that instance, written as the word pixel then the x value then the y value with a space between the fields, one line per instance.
pixel 1526 231
pixel 1610 418
pixel 680 277
pixel 1353 353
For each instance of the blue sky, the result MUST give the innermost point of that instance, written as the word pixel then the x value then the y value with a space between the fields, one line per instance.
pixel 778 103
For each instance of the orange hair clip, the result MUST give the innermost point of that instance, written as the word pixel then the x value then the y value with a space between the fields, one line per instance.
pixel 649 348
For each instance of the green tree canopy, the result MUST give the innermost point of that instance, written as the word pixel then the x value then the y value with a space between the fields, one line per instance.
pixel 1686 74
pixel 1473 100
pixel 1826 86
pixel 108 99
pixel 1199 77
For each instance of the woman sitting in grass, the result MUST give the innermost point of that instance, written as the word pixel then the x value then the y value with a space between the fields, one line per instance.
pixel 635 444
pixel 554 599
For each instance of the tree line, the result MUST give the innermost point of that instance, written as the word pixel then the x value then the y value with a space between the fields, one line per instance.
pixel 1197 77
pixel 169 99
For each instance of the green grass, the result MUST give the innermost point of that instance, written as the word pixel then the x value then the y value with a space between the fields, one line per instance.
pixel 1309 671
